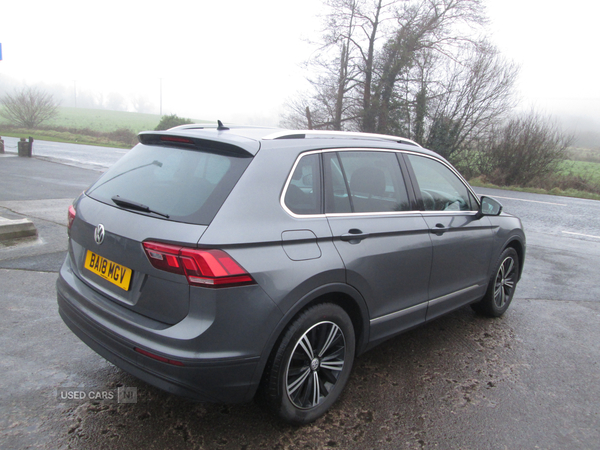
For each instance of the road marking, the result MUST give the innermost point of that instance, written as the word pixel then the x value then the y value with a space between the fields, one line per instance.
pixel 531 201
pixel 579 234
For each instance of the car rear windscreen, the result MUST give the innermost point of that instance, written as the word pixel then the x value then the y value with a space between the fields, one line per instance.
pixel 187 185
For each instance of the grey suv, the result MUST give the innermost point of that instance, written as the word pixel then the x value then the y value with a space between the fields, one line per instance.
pixel 218 263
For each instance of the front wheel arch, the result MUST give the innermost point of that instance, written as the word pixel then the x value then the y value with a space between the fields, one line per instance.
pixel 501 285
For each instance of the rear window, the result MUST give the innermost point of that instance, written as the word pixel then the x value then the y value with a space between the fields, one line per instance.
pixel 187 185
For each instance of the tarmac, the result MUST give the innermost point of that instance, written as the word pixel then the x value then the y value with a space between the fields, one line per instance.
pixel 529 379
pixel 11 229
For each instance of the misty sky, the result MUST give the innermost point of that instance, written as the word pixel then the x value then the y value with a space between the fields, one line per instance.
pixel 240 60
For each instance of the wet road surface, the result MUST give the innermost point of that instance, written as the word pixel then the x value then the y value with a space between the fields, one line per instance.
pixel 530 379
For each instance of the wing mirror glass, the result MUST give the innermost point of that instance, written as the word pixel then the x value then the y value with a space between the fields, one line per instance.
pixel 489 207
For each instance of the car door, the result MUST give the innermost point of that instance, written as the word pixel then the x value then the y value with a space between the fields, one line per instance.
pixel 462 241
pixel 383 240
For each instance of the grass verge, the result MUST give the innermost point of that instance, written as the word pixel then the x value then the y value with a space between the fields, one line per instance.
pixel 478 182
pixel 64 136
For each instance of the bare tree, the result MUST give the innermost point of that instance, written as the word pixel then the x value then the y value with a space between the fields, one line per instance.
pixel 424 27
pixel 476 94
pixel 364 67
pixel 28 107
pixel 335 73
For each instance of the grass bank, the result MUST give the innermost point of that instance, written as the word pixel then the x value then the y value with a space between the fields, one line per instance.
pixel 69 137
pixel 88 126
pixel 479 182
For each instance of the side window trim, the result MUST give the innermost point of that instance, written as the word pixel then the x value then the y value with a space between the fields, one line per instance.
pixel 409 179
pixel 320 199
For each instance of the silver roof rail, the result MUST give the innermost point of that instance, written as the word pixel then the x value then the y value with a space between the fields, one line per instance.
pixel 327 134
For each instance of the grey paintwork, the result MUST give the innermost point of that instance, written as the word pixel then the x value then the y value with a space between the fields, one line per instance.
pixel 405 272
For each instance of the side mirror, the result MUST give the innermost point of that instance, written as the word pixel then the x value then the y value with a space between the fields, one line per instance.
pixel 489 207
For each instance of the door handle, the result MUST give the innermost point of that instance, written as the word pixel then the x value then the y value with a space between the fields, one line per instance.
pixel 439 229
pixel 354 236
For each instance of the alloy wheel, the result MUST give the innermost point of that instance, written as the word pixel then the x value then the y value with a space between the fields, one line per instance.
pixel 315 365
pixel 505 282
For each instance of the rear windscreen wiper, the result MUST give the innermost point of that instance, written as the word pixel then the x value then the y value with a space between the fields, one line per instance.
pixel 129 204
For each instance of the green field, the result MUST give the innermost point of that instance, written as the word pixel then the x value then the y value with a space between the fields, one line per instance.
pixel 589 171
pixel 89 126
pixel 102 120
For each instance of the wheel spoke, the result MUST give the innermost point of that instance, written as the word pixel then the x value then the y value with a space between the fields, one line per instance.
pixel 316 389
pixel 329 376
pixel 305 344
pixel 333 365
pixel 510 267
pixel 298 382
pixel 333 333
pixel 304 397
pixel 325 379
pixel 497 290
pixel 502 297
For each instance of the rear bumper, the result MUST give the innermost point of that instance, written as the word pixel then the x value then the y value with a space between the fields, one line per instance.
pixel 219 365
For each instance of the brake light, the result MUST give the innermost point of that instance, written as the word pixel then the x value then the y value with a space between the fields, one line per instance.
pixel 176 139
pixel 208 268
pixel 72 214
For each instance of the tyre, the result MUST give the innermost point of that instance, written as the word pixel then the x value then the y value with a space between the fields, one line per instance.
pixel 502 285
pixel 309 368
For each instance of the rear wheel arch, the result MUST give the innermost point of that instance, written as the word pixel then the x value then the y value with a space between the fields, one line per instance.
pixel 343 295
pixel 310 365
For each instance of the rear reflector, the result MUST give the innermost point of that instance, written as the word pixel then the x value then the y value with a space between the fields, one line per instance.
pixel 158 358
pixel 72 214
pixel 208 268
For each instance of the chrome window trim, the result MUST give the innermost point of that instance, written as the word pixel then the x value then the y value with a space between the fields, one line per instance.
pixel 287 183
pixel 443 298
pixel 399 313
pixel 381 213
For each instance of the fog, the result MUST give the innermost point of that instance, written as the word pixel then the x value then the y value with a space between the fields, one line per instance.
pixel 240 61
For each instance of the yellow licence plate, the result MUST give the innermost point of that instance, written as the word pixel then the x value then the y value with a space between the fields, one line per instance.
pixel 113 272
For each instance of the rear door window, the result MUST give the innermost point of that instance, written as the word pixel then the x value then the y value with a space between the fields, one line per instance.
pixel 186 185
pixel 364 182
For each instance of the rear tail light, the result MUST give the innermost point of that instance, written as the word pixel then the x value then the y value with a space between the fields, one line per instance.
pixel 72 214
pixel 208 268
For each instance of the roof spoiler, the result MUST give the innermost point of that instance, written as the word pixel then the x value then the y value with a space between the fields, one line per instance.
pixel 234 145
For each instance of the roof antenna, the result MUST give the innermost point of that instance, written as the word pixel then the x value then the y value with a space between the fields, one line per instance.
pixel 221 127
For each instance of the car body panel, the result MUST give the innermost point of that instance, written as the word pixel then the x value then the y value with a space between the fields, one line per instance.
pixel 406 268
